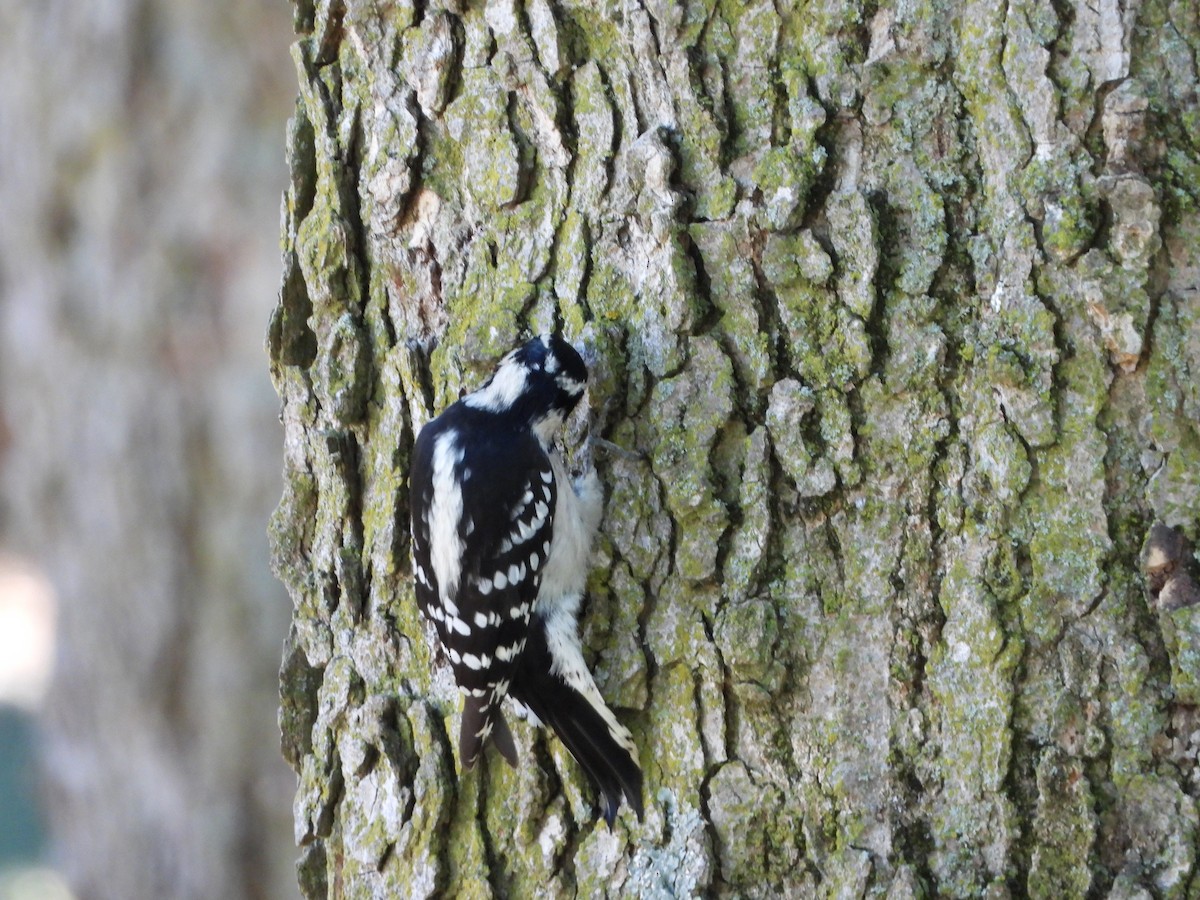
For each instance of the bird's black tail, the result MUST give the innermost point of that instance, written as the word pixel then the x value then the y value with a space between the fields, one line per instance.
pixel 582 722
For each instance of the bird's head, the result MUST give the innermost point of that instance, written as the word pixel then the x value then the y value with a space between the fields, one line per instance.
pixel 537 384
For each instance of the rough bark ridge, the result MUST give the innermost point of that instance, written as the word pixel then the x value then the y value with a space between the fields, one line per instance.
pixel 897 307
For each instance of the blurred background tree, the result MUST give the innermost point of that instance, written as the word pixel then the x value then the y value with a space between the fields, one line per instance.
pixel 140 175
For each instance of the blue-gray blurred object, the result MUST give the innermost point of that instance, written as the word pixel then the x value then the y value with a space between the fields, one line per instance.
pixel 21 838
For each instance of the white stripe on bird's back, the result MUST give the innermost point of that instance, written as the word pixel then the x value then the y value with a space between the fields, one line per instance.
pixel 445 514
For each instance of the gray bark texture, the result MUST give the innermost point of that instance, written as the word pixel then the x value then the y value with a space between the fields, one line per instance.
pixel 895 308
pixel 138 444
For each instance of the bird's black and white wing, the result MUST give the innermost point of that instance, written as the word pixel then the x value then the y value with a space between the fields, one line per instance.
pixel 482 522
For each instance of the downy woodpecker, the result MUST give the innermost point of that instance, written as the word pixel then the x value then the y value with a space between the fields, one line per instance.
pixel 502 540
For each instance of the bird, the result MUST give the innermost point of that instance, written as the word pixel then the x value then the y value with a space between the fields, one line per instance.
pixel 502 538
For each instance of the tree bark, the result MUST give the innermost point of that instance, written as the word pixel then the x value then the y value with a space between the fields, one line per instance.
pixel 895 308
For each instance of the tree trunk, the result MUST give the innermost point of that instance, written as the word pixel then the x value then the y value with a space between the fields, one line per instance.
pixel 896 311
pixel 138 448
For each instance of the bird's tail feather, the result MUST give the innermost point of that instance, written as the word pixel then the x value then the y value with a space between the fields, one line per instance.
pixel 609 763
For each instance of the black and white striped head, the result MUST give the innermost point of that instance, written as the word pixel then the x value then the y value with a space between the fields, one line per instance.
pixel 538 384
